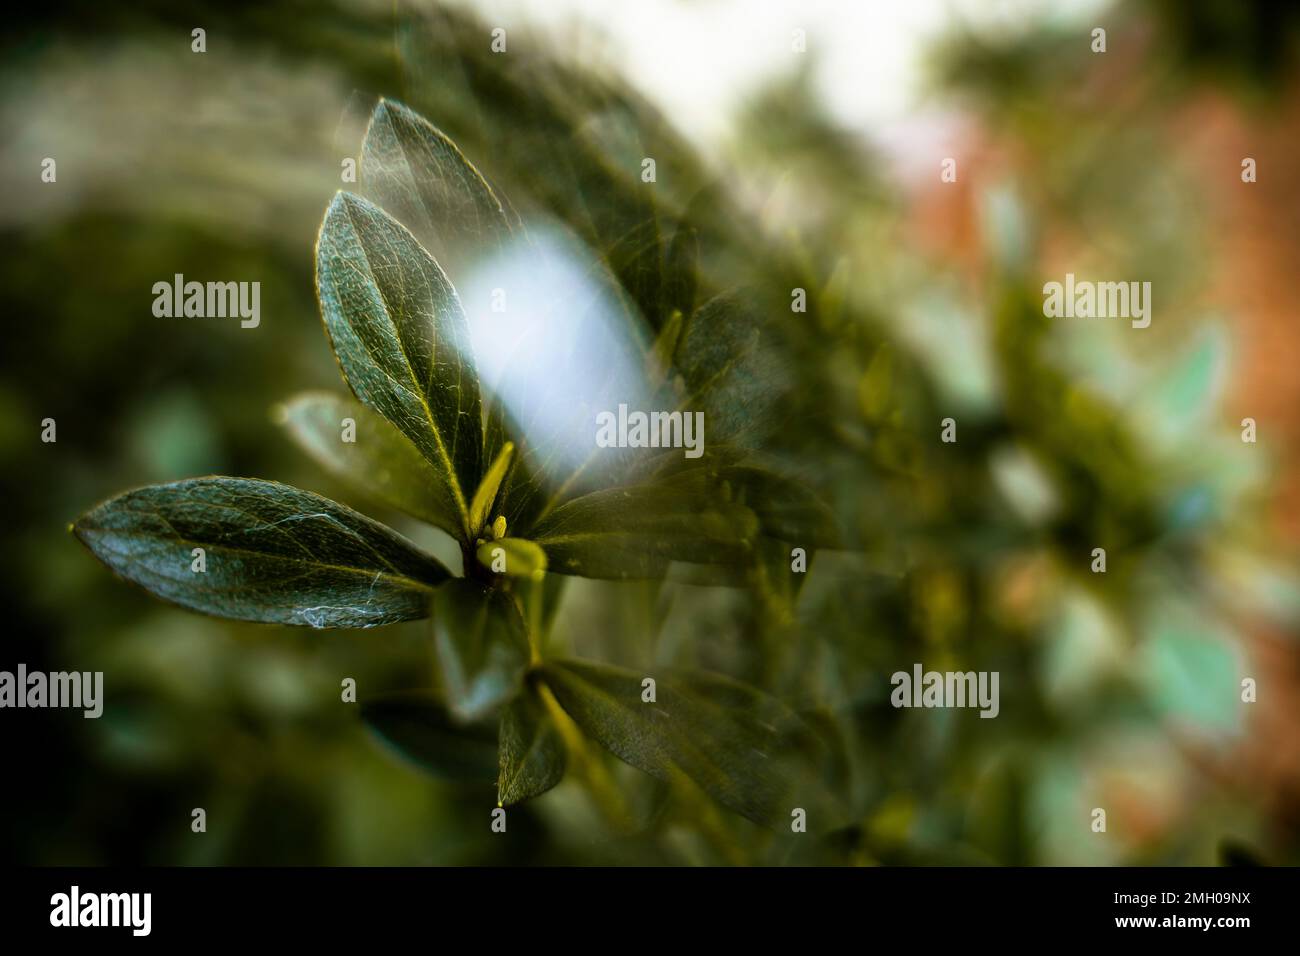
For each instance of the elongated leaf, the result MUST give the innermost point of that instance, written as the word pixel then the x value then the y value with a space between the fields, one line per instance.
pixel 637 259
pixel 419 176
pixel 481 646
pixel 402 340
pixel 417 725
pixel 786 508
pixel 572 142
pixel 542 600
pixel 635 532
pixel 665 345
pixel 732 371
pixel 381 461
pixel 532 751
pixel 271 553
pixel 517 557
pixel 733 741
pixel 479 511
pixel 681 266
pixel 577 350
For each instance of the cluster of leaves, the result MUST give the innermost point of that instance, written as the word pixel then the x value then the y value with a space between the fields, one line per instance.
pixel 947 566
pixel 430 441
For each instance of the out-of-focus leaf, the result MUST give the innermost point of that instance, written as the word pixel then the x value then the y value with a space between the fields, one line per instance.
pixel 786 509
pixel 419 176
pixel 1236 853
pixel 418 726
pixel 381 461
pixel 479 509
pixel 571 142
pixel 517 557
pixel 481 646
pixel 272 553
pixel 541 601
pixel 635 532
pixel 665 344
pixel 681 267
pixel 636 258
pixel 532 751
pixel 1182 395
pixel 579 350
pixel 733 741
pixel 402 340
pixel 732 373
pixel 631 242
pixel 998 800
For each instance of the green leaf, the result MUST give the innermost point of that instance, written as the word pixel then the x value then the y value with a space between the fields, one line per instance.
pixel 681 267
pixel 785 505
pixel 481 646
pixel 479 510
pixel 517 557
pixel 637 531
pixel 381 462
pixel 786 508
pixel 419 176
pixel 532 752
pixel 733 741
pixel 273 554
pixel 402 341
pixel 593 357
pixel 572 142
pixel 732 371
pixel 659 361
pixel 417 726
pixel 542 600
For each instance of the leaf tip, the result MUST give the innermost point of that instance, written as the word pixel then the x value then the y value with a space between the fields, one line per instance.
pixel 342 201
pixel 389 107
pixel 79 531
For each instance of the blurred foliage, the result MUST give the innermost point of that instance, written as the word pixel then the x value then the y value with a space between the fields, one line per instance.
pixel 1118 690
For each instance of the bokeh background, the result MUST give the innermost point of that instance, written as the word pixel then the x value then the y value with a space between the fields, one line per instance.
pixel 817 169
